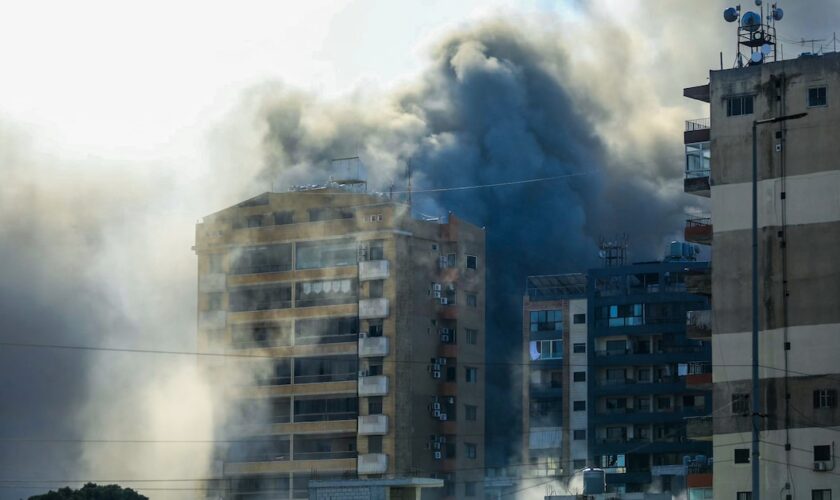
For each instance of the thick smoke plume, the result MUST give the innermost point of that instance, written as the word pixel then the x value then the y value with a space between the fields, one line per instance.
pixel 498 104
pixel 97 253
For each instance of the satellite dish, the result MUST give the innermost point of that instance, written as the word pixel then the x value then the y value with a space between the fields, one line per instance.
pixel 730 15
pixel 758 3
pixel 778 14
pixel 756 57
pixel 766 49
pixel 751 21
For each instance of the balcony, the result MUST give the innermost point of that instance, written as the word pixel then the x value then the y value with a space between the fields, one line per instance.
pixel 697 168
pixel 372 463
pixel 544 438
pixel 373 385
pixel 698 325
pixel 699 282
pixel 375 425
pixel 697 130
pixel 373 308
pixel 699 428
pixel 212 282
pixel 373 270
pixel 698 230
pixel 700 92
pixel 373 346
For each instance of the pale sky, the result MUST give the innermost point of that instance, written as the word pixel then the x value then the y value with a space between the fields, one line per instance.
pixel 141 80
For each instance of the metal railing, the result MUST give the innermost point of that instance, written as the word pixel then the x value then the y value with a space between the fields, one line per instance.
pixel 699 222
pixel 697 124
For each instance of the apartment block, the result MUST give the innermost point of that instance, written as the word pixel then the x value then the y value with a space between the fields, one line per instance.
pixel 357 333
pixel 798 180
pixel 554 355
pixel 613 379
pixel 647 379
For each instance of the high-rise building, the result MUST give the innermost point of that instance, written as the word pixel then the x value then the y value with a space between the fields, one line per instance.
pixel 364 329
pixel 613 379
pixel 798 274
pixel 646 378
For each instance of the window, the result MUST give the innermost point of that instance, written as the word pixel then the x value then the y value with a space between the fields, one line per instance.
pixel 449 488
pixel 262 259
pixel 742 455
pixel 472 300
pixel 579 376
pixel 214 301
pixel 579 434
pixel 471 412
pixel 254 221
pixel 215 263
pixel 261 298
pixel 817 96
pixel 329 253
pixel 376 250
pixel 375 405
pixel 472 262
pixel 451 372
pixel 471 375
pixel 739 105
pixel 825 398
pixel 375 328
pixel 373 218
pixel 624 315
pixel 579 348
pixel 743 495
pixel 471 449
pixel 376 289
pixel 469 488
pixel 663 403
pixel 579 406
pixel 472 336
pixel 547 321
pixel 822 453
pixel 820 494
pixel 282 218
pixel 579 319
pixel 319 214
pixel 374 444
pixel 546 349
pixel 740 404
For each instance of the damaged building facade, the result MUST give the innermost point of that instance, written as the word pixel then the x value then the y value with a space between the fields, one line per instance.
pixel 361 334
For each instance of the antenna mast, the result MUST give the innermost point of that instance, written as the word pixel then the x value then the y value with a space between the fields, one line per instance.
pixel 409 182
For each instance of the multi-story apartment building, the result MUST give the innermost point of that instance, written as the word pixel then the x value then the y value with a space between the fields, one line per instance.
pixel 799 290
pixel 613 379
pixel 646 377
pixel 363 332
pixel 554 335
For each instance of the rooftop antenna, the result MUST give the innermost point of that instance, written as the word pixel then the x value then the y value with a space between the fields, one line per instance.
pixel 756 33
pixel 613 253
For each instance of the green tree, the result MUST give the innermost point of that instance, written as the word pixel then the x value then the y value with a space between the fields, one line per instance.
pixel 92 491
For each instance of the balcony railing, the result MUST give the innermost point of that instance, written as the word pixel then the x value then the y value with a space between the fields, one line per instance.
pixel 373 270
pixel 373 425
pixel 649 352
pixel 698 324
pixel 372 463
pixel 373 346
pixel 373 385
pixel 698 230
pixel 697 124
pixel 373 308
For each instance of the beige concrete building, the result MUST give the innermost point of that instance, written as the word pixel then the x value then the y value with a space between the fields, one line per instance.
pixel 365 331
pixel 799 275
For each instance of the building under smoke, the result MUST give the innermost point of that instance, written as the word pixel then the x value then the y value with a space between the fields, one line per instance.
pixel 358 337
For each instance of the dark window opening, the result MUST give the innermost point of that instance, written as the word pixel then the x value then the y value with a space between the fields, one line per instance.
pixel 742 455
pixel 579 319
pixel 817 96
pixel 472 262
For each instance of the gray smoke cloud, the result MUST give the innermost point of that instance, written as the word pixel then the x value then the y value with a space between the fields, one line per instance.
pixel 99 254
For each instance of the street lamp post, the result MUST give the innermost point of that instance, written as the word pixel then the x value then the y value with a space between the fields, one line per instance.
pixel 756 400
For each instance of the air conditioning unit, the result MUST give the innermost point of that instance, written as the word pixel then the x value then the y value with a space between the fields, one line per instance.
pixel 438 455
pixel 436 374
pixel 444 300
pixel 443 417
pixel 363 373
pixel 442 261
pixel 436 406
pixel 450 286
pixel 362 335
pixel 436 413
pixel 445 338
pixel 436 294
pixel 821 466
pixel 451 400
pixel 436 446
pixel 437 287
pixel 441 361
pixel 445 331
